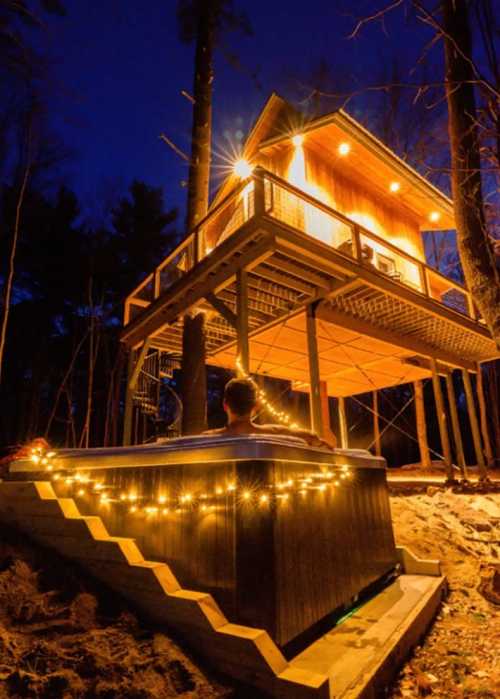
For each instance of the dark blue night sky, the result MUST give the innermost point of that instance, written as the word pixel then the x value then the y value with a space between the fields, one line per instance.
pixel 118 69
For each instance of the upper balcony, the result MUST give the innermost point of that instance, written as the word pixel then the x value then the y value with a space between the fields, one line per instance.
pixel 297 250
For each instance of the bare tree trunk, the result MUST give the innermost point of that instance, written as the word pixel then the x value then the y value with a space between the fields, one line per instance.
pixel 63 384
pixel 93 351
pixel 475 251
pixel 71 417
pixel 12 257
pixel 494 403
pixel 423 444
pixel 194 384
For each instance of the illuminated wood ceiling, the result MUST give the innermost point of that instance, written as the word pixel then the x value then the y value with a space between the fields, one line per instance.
pixel 350 363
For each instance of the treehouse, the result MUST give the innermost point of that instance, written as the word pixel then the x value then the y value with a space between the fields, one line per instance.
pixel 310 267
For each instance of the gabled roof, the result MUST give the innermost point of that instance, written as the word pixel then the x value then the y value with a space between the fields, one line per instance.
pixel 370 161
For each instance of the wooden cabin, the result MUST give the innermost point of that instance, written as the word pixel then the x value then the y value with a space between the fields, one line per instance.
pixel 310 267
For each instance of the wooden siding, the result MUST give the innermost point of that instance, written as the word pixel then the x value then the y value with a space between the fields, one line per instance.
pixel 326 181
pixel 282 566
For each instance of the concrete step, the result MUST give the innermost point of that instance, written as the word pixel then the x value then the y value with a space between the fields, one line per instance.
pixel 360 656
pixel 355 659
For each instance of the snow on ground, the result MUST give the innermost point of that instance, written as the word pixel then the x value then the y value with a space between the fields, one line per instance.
pixel 460 657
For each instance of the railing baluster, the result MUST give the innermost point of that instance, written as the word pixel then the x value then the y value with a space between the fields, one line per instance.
pixel 356 243
pixel 156 291
pixel 258 193
pixel 424 281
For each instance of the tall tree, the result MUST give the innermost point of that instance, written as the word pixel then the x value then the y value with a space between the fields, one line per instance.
pixel 476 253
pixel 201 21
pixel 19 68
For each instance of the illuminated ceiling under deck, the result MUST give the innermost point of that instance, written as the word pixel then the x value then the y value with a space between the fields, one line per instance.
pixel 350 363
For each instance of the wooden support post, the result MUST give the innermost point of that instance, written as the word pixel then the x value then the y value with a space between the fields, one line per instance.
pixel 488 450
pixel 457 435
pixel 376 425
pixel 129 404
pixel 314 376
pixel 328 435
pixel 344 434
pixel 242 320
pixel 423 443
pixel 133 371
pixel 474 425
pixel 441 416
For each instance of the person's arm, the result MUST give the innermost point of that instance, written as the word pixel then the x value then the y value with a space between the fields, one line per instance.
pixel 309 437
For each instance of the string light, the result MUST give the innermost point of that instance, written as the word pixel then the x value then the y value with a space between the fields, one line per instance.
pixel 39 455
pixel 265 403
pixel 204 502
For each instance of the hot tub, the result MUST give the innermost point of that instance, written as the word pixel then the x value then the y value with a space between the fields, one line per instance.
pixel 284 536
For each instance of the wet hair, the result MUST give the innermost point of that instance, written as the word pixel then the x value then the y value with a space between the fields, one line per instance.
pixel 240 395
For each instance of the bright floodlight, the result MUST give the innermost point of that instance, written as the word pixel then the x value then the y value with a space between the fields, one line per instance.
pixel 394 187
pixel 298 140
pixel 242 168
pixel 434 216
pixel 344 148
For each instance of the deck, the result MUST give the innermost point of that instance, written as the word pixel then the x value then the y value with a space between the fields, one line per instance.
pixel 372 298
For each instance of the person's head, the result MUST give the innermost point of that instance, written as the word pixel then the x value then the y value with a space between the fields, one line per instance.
pixel 240 397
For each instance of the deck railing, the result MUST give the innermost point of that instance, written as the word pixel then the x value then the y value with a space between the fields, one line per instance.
pixel 266 194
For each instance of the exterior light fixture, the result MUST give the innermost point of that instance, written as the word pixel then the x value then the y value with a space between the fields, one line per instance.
pixel 242 168
pixel 297 140
pixel 434 216
pixel 394 187
pixel 344 148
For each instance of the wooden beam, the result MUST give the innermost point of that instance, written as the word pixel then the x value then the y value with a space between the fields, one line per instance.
pixel 363 327
pixel 441 417
pixel 222 309
pixel 300 246
pixel 138 365
pixel 264 272
pixel 455 424
pixel 376 426
pixel 305 274
pixel 242 319
pixel 341 287
pixel 344 432
pixel 474 425
pixel 424 363
pixel 488 450
pixel 213 273
pixel 314 375
pixel 129 403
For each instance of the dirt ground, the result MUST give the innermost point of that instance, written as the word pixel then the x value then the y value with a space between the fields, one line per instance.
pixel 62 637
pixel 460 657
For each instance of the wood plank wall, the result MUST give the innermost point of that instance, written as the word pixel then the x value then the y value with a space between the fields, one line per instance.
pixel 282 566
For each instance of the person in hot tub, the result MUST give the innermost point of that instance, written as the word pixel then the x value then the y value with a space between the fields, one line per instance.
pixel 241 403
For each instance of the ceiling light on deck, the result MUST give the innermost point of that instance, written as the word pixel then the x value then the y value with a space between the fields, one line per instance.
pixel 394 187
pixel 297 140
pixel 434 216
pixel 344 148
pixel 242 168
